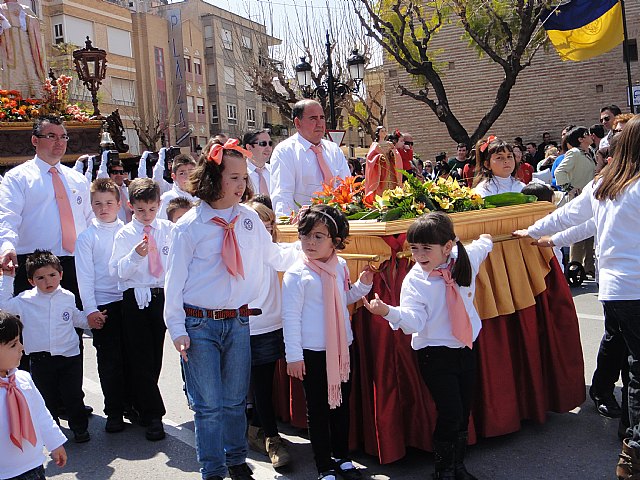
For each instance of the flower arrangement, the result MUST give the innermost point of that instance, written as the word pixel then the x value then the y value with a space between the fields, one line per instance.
pixel 15 108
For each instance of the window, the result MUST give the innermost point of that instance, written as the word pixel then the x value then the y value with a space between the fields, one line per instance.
pixel 211 74
pixel 119 41
pixel 76 30
pixel 200 105
pixel 187 64
pixel 208 36
pixel 132 140
pixel 190 104
pixel 246 41
pixel 633 50
pixel 232 114
pixel 159 60
pixel 58 33
pixel 214 113
pixel 227 39
pixel 197 66
pixel 229 76
pixel 251 117
pixel 123 91
pixel 247 83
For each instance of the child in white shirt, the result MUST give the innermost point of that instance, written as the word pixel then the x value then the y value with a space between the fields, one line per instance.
pixel 183 165
pixel 101 298
pixel 139 261
pixel 495 168
pixel 318 335
pixel 49 314
pixel 436 308
pixel 21 448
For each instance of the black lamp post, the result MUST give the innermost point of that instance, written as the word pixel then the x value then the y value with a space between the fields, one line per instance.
pixel 332 86
pixel 91 66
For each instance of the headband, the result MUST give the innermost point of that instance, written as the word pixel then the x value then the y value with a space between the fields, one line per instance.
pixel 215 154
pixel 484 146
pixel 328 216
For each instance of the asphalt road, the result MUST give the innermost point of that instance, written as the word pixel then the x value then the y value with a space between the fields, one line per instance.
pixel 578 445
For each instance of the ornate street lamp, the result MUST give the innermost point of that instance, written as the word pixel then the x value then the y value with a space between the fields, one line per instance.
pixel 91 66
pixel 331 87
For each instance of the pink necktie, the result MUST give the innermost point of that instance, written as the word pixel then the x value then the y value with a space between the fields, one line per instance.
pixel 324 168
pixel 458 316
pixel 123 200
pixel 20 423
pixel 67 224
pixel 263 189
pixel 155 265
pixel 230 248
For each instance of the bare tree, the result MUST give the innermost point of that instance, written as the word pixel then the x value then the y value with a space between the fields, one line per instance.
pixel 506 31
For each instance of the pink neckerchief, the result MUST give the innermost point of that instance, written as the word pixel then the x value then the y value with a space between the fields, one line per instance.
pixel 230 249
pixel 337 348
pixel 20 423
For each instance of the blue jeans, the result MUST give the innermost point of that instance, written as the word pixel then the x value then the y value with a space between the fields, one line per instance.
pixel 217 374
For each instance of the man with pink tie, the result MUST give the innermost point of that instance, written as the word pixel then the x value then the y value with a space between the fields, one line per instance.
pixel 303 162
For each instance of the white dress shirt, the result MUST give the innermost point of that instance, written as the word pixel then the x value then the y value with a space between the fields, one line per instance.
pixel 131 269
pixel 303 312
pixel 255 178
pixel 49 318
pixel 496 185
pixel 166 197
pixel 296 175
pixel 29 216
pixel 93 252
pixel 197 274
pixel 423 311
pixel 13 461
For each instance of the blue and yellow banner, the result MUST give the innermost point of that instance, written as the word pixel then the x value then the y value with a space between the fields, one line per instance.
pixel 583 29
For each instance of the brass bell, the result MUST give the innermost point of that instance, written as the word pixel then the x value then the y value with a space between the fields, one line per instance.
pixel 106 140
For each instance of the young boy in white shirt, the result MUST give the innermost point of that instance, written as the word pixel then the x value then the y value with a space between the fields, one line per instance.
pixel 101 299
pixel 21 447
pixel 182 167
pixel 139 261
pixel 49 314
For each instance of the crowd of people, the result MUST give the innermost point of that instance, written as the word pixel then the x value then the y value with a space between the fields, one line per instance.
pixel 80 252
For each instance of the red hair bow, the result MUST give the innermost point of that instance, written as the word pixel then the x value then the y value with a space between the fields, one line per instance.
pixel 215 154
pixel 397 133
pixel 484 146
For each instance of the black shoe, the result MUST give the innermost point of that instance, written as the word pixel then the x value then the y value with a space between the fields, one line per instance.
pixel 88 410
pixel 81 437
pixel 348 470
pixel 114 424
pixel 133 417
pixel 240 472
pixel 606 405
pixel 155 430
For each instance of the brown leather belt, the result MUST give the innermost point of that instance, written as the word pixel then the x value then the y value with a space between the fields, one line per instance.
pixel 243 311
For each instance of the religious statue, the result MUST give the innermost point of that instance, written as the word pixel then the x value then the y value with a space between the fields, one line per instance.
pixel 116 129
pixel 21 50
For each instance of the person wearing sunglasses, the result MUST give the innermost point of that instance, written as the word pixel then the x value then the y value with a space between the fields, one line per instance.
pixel 259 143
pixel 607 116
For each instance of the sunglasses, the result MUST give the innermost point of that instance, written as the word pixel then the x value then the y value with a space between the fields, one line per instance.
pixel 263 143
pixel 117 172
pixel 606 118
pixel 409 143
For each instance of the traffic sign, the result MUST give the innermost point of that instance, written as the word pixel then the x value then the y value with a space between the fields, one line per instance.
pixel 336 136
pixel 636 95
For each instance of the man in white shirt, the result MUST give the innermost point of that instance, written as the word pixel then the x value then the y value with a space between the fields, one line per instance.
pixel 30 217
pixel 297 171
pixel 259 143
pixel 607 115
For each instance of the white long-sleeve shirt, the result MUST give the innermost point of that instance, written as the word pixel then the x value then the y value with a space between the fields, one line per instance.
pixel 29 215
pixel 296 175
pixel 93 252
pixel 303 311
pixel 166 197
pixel 496 185
pixel 255 178
pixel 49 318
pixel 423 309
pixel 131 269
pixel 13 461
pixel 197 275
pixel 158 170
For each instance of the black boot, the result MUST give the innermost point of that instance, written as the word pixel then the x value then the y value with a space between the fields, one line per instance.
pixel 443 453
pixel 461 448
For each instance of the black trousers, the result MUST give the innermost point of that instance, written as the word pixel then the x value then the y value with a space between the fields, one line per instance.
pixel 612 360
pixel 33 474
pixel 450 376
pixel 110 349
pixel 60 378
pixel 262 382
pixel 144 332
pixel 328 428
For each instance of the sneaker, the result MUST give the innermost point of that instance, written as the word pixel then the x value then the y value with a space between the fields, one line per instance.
pixel 81 437
pixel 278 451
pixel 114 424
pixel 155 430
pixel 256 440
pixel 240 472
pixel 348 470
pixel 328 475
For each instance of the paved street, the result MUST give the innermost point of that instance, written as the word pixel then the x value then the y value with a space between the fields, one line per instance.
pixel 577 445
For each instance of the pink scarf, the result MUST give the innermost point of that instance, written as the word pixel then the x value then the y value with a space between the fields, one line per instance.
pixel 337 349
pixel 20 423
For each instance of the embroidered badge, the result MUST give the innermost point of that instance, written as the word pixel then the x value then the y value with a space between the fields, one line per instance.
pixel 66 316
pixel 248 224
pixel 79 200
pixel 165 250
